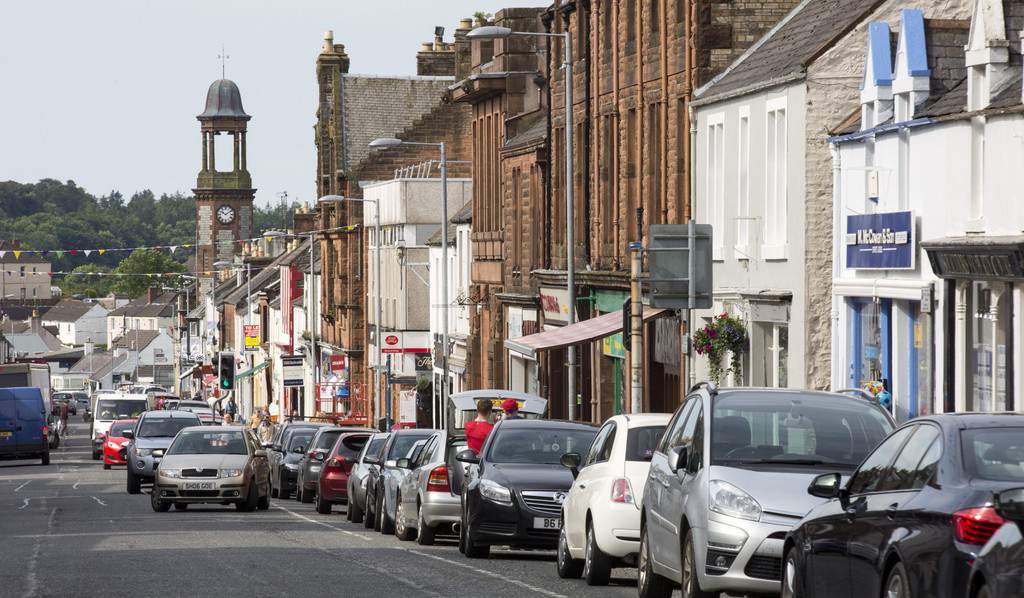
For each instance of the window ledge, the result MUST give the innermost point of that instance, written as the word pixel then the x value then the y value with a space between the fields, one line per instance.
pixel 774 252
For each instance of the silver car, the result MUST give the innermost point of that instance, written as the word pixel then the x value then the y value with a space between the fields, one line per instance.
pixel 152 435
pixel 426 501
pixel 391 476
pixel 727 483
pixel 357 478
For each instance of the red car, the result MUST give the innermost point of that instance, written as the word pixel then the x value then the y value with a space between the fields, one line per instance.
pixel 332 485
pixel 115 445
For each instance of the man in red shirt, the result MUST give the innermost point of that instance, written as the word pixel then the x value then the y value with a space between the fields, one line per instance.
pixel 478 429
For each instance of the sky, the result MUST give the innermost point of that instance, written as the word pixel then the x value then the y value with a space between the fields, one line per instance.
pixel 105 92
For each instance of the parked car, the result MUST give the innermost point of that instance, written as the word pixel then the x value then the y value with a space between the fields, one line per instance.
pixel 601 515
pixel 719 497
pixel 152 435
pixel 224 465
pixel 108 408
pixel 24 433
pixel 312 462
pixel 115 443
pixel 332 483
pixel 999 568
pixel 382 482
pixel 515 487
pixel 358 477
pixel 202 410
pixel 427 501
pixel 69 399
pixel 914 515
pixel 284 456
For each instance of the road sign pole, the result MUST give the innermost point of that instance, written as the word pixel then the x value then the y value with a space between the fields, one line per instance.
pixel 387 395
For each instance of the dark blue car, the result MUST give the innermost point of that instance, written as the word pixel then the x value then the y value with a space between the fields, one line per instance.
pixel 23 427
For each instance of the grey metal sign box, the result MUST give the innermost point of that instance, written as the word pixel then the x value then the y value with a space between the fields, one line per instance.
pixel 679 260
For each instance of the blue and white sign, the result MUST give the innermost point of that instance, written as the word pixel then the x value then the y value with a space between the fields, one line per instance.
pixel 880 241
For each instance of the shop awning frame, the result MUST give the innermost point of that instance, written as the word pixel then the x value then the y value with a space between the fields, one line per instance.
pixel 252 370
pixel 581 332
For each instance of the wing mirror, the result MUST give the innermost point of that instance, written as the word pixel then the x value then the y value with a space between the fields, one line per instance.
pixel 319 455
pixel 128 434
pixel 826 485
pixel 260 453
pixel 391 464
pixel 1010 504
pixel 275 447
pixel 299 449
pixel 403 463
pixel 371 460
pixel 571 461
pixel 677 458
pixel 267 445
pixel 467 456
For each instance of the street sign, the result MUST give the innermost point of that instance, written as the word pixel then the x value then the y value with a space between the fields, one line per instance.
pixel 293 370
pixel 252 337
pixel 679 260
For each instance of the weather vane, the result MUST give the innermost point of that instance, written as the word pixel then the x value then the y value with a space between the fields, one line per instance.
pixel 223 58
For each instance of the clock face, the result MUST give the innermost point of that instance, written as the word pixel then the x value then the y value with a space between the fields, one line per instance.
pixel 225 214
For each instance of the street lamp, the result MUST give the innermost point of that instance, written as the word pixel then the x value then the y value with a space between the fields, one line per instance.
pixel 376 283
pixel 392 142
pixel 217 266
pixel 495 32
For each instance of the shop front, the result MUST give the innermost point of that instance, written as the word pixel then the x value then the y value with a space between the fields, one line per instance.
pixel 523 374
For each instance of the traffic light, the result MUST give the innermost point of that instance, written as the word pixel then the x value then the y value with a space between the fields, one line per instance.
pixel 226 372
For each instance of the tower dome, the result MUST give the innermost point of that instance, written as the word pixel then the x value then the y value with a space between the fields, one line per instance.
pixel 223 100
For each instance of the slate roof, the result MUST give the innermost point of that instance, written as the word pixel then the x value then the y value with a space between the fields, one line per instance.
pixel 164 305
pixel 135 340
pixel 33 343
pixel 788 48
pixel 68 310
pixel 92 363
pixel 268 274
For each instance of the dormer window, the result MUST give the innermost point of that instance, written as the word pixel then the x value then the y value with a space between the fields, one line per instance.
pixel 911 78
pixel 988 53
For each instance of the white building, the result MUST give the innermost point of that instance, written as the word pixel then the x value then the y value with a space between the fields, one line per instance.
pixel 156 310
pixel 78 322
pixel 764 181
pixel 929 218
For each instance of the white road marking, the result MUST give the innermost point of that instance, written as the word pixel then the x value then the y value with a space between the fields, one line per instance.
pixel 31 581
pixel 24 504
pixel 18 489
pixel 98 500
pixel 75 487
pixel 516 582
pixel 327 525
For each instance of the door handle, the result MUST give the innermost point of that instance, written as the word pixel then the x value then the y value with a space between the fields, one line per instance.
pixel 581 486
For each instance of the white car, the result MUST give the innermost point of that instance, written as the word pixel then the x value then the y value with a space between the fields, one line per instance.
pixel 601 514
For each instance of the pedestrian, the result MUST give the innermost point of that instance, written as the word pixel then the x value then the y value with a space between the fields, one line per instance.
pixel 511 409
pixel 228 419
pixel 231 408
pixel 478 429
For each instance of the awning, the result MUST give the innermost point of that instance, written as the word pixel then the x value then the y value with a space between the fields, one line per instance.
pixel 580 332
pixel 252 371
pixel 189 372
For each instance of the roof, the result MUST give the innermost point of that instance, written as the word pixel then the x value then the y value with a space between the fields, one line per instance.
pixel 92 363
pixel 268 274
pixel 463 216
pixel 68 310
pixel 223 100
pixel 810 29
pixel 530 130
pixel 9 247
pixel 135 340
pixel 28 343
pixel 163 305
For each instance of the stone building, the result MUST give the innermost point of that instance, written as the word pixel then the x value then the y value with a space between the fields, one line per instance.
pixel 354 110
pixel 24 277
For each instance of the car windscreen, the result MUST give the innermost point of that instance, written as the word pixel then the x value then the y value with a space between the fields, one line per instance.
pixel 153 427
pixel 770 427
pixel 117 430
pixel 538 445
pixel 402 444
pixel 325 441
pixel 641 442
pixel 62 396
pixel 350 445
pixel 995 453
pixel 212 442
pixel 300 438
pixel 118 408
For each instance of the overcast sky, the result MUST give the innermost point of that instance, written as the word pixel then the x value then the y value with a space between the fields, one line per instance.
pixel 105 92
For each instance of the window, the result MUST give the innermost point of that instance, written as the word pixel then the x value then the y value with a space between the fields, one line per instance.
pixel 654 29
pixel 873 469
pixel 605 436
pixel 641 442
pixel 684 436
pixel 657 208
pixel 606 24
pixel 715 183
pixel 742 248
pixel 995 453
pixel 677 422
pixel 775 208
pixel 917 462
pixel 630 7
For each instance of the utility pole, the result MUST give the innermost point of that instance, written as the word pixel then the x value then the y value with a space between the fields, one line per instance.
pixel 636 320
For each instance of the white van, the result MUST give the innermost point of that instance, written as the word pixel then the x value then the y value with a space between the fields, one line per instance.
pixel 107 408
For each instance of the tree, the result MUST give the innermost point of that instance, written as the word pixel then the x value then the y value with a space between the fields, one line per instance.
pixel 146 261
pixel 83 281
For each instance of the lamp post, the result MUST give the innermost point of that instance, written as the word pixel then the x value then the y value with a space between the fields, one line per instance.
pixel 217 266
pixel 376 284
pixel 494 32
pixel 446 304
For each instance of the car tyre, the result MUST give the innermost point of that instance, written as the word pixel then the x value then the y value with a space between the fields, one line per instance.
pixel 691 582
pixel 160 506
pixel 45 458
pixel 106 466
pixel 307 496
pixel 273 489
pixel 387 525
pixel 134 483
pixel 424 533
pixel 283 493
pixel 649 583
pixel 377 508
pixel 404 532
pixel 181 506
pixel 322 506
pixel 897 583
pixel 792 581
pixel 597 566
pixel 568 567
pixel 251 499
pixel 474 550
pixel 369 518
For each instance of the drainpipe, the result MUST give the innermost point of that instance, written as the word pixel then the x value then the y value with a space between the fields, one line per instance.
pixel 693 218
pixel 838 352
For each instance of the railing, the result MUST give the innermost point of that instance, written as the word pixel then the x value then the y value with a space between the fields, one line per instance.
pixel 351 409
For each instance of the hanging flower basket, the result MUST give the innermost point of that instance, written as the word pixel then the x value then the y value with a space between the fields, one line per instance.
pixel 723 336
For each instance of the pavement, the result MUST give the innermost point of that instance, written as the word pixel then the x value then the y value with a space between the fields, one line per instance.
pixel 70 529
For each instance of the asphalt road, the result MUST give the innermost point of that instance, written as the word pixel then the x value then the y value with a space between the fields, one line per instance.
pixel 70 529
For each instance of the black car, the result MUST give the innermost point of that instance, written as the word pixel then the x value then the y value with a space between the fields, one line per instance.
pixel 285 454
pixel 515 487
pixel 312 462
pixel 915 514
pixel 396 447
pixel 999 570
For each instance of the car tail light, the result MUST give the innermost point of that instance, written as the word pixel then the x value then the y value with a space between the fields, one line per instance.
pixel 622 492
pixel 438 480
pixel 976 526
pixel 46 430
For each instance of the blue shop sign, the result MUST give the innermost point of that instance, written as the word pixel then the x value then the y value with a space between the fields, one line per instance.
pixel 880 241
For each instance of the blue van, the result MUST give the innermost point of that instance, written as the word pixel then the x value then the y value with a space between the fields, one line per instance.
pixel 23 424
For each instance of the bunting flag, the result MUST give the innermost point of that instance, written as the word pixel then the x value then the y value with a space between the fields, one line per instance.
pixel 17 254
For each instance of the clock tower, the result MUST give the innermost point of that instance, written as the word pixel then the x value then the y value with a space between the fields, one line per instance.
pixel 223 192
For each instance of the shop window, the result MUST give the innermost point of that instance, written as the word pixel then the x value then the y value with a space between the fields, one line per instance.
pixel 989 365
pixel 870 342
pixel 768 357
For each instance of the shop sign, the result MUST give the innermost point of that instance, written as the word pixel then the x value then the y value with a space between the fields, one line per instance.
pixel 612 346
pixel 337 363
pixel 293 370
pixel 883 241
pixel 555 303
pixel 252 337
pixel 407 407
pixel 391 344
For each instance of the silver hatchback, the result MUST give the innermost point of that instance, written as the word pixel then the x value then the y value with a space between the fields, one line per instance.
pixel 728 481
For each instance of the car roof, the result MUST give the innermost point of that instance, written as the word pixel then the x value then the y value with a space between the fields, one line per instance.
pixel 546 423
pixel 124 421
pixel 962 420
pixel 636 420
pixel 213 429
pixel 169 415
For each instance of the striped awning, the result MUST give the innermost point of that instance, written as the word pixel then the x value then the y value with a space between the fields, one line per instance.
pixel 580 332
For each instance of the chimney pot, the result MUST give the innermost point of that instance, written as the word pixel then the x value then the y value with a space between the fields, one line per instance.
pixel 426 47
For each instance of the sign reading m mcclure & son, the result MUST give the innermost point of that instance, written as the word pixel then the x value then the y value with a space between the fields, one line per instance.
pixel 880 241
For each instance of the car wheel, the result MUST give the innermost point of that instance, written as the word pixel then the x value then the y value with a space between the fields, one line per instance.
pixel 106 466
pixel 249 504
pixel 307 496
pixel 377 508
pixel 45 459
pixel 369 518
pixel 462 534
pixel 792 582
pixel 568 567
pixel 352 510
pixel 402 531
pixel 180 506
pixel 135 484
pixel 424 533
pixel 897 585
pixel 160 506
pixel 387 524
pixel 649 584
pixel 691 583
pixel 322 506
pixel 597 566
pixel 474 550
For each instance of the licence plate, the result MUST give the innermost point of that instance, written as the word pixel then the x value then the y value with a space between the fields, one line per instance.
pixel 198 486
pixel 5 434
pixel 547 522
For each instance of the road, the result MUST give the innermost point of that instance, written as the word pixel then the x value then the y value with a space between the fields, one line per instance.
pixel 71 529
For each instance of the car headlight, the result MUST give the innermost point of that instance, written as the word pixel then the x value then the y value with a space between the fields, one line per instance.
pixel 495 492
pixel 729 500
pixel 230 473
pixel 158 452
pixel 143 452
pixel 169 473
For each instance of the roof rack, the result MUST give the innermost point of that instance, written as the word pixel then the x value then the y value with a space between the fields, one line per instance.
pixel 711 386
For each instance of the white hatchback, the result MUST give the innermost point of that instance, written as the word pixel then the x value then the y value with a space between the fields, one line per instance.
pixel 601 514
